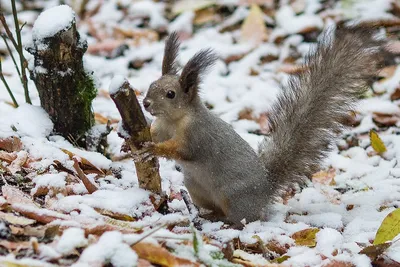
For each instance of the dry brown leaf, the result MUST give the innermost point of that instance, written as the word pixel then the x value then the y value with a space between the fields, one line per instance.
pixel 13 219
pixel 8 157
pixel 375 251
pixel 336 263
pixel 291 68
pixel 15 245
pixel 396 94
pixel 159 255
pixel 387 120
pixel 17 164
pixel 267 3
pixel 253 28
pixel 143 263
pixel 11 144
pixel 276 247
pixel 387 72
pixel 325 177
pixel 206 15
pixel 185 5
pixel 106 46
pixel 14 195
pixel 39 214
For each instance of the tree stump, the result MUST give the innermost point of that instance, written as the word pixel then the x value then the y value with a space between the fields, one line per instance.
pixel 65 89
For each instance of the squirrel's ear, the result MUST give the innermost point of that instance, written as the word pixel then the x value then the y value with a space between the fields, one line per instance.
pixel 195 68
pixel 170 54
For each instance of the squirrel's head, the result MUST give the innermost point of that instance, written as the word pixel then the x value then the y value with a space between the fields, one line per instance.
pixel 172 95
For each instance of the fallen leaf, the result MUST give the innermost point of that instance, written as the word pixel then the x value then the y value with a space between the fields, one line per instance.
pixel 281 259
pixel 387 72
pixel 13 219
pixel 374 251
pixel 291 68
pixel 376 142
pixel 389 228
pixel 306 237
pixel 15 195
pixel 17 164
pixel 336 263
pixel 14 245
pixel 253 28
pixel 206 15
pixel 159 255
pixel 385 120
pixel 115 215
pixel 11 144
pixel 189 5
pixel 39 214
pixel 396 94
pixel 7 157
pixel 325 177
pixel 276 247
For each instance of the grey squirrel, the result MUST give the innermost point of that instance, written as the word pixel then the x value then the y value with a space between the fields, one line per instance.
pixel 221 171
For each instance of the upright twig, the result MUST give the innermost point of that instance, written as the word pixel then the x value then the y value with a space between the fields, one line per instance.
pixel 22 60
pixel 136 132
pixel 7 29
pixel 6 85
pixel 11 54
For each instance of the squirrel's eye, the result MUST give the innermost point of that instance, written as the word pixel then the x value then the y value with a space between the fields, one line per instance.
pixel 171 94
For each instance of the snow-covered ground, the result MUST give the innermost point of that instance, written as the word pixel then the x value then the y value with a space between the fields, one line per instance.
pixel 347 201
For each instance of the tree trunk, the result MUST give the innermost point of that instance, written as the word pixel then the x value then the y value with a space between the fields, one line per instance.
pixel 65 89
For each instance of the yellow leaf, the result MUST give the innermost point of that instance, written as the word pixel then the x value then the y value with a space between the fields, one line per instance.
pixel 306 237
pixel 389 228
pixel 253 27
pixel 376 142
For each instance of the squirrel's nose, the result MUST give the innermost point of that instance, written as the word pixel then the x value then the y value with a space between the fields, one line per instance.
pixel 146 103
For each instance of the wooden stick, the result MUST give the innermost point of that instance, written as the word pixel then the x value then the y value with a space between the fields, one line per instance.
pixel 90 187
pixel 136 132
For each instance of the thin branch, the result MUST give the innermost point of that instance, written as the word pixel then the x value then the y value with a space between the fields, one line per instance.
pixel 11 54
pixel 7 87
pixel 90 187
pixel 9 33
pixel 21 55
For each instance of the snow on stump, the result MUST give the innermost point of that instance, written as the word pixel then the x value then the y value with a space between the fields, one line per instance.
pixel 65 89
pixel 136 132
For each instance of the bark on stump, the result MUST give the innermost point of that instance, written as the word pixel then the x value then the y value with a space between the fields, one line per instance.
pixel 65 89
pixel 136 132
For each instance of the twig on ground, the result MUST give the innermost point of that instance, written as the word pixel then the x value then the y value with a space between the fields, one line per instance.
pixel 149 233
pixel 88 184
pixel 193 211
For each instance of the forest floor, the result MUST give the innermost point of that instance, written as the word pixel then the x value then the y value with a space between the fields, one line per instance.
pixel 48 217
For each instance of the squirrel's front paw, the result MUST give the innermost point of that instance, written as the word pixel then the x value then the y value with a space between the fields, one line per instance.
pixel 144 154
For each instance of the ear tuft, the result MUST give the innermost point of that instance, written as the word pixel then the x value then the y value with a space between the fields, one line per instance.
pixel 171 49
pixel 196 68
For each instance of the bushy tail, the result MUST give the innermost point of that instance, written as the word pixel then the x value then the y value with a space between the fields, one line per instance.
pixel 308 112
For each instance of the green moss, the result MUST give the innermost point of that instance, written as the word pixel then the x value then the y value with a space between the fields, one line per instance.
pixel 86 92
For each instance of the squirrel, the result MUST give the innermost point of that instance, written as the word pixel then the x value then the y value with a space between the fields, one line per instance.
pixel 221 171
